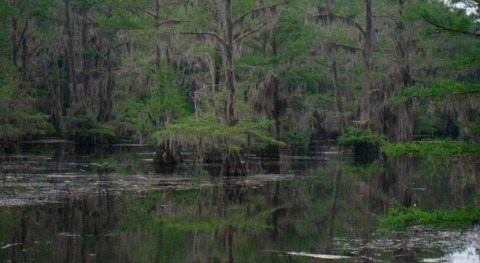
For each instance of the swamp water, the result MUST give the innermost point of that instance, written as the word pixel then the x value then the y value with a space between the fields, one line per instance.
pixel 61 203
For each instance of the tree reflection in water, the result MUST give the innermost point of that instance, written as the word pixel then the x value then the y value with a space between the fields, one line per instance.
pixel 318 203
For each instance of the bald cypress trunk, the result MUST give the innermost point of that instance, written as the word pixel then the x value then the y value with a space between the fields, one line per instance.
pixel 404 129
pixel 229 75
pixel 365 103
pixel 70 54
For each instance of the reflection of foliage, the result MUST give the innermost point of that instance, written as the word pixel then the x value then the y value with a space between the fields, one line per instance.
pixel 86 127
pixel 8 220
pixel 402 217
pixel 211 224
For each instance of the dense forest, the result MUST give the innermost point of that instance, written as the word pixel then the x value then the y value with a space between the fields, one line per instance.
pixel 225 75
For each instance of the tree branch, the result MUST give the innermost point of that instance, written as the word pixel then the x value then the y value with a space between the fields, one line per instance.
pixel 257 9
pixel 170 21
pixel 145 11
pixel 250 32
pixel 349 48
pixel 346 20
pixel 22 35
pixel 450 29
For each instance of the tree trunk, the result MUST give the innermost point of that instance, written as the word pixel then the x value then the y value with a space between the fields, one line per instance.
pixel 338 98
pixel 14 41
pixel 230 78
pixel 404 122
pixel 157 23
pixel 70 54
pixel 105 107
pixel 367 51
pixel 58 94
pixel 85 58
pixel 404 131
pixel 24 62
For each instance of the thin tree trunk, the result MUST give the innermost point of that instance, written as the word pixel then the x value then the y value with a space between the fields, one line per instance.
pixel 70 54
pixel 85 59
pixel 338 97
pixel 230 78
pixel 14 41
pixel 58 94
pixel 157 22
pixel 105 107
pixel 24 62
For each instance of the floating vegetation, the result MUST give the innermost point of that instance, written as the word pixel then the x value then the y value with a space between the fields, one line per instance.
pixel 402 217
pixel 441 148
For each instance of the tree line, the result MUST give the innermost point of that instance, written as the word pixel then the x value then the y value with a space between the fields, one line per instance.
pixel 221 75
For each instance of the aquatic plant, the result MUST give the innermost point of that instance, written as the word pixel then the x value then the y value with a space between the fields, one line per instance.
pixel 401 217
pixel 441 148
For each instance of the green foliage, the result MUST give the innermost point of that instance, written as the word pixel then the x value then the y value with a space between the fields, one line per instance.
pixel 440 14
pixel 86 128
pixel 19 118
pixel 163 104
pixel 441 148
pixel 473 128
pixel 125 43
pixel 401 217
pixel 439 91
pixel 359 135
pixel 294 136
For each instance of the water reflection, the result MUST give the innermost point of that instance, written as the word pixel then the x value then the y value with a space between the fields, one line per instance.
pixel 314 201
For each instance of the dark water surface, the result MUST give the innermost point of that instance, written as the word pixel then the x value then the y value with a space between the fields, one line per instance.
pixel 62 203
